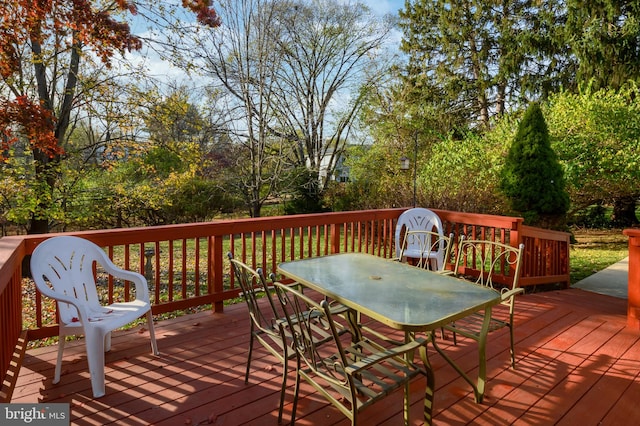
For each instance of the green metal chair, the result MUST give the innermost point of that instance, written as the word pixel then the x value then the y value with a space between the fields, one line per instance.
pixel 490 264
pixel 264 321
pixel 268 325
pixel 351 375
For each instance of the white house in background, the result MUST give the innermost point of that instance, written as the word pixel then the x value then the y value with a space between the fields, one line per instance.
pixel 341 172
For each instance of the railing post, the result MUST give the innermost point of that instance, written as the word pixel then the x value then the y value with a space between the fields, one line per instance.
pixel 215 264
pixel 515 234
pixel 633 280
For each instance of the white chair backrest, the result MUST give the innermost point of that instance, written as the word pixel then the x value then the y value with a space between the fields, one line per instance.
pixel 65 265
pixel 416 219
pixel 432 247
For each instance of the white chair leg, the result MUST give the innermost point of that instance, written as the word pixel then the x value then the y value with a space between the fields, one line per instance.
pixel 95 358
pixel 56 376
pixel 107 342
pixel 152 334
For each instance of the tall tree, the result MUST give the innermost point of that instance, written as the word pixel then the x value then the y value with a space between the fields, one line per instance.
pixel 241 59
pixel 481 56
pixel 42 47
pixel 604 36
pixel 332 53
pixel 292 70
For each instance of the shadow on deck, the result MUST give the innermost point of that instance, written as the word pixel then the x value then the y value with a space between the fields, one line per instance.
pixel 577 363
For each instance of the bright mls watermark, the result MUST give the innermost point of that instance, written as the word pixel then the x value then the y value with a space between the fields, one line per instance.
pixel 34 414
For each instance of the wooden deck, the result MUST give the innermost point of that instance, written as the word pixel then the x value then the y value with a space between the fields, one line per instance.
pixel 577 363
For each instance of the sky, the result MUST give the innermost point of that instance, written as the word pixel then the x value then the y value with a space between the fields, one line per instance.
pixel 164 69
pixel 385 6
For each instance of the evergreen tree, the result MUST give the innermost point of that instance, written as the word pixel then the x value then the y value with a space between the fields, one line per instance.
pixel 306 193
pixel 532 178
pixel 604 36
pixel 481 57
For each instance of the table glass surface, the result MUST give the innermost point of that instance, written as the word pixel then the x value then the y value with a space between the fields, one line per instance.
pixel 402 296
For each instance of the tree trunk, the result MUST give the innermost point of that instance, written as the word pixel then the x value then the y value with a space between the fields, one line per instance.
pixel 44 174
pixel 255 209
pixel 38 226
pixel 624 212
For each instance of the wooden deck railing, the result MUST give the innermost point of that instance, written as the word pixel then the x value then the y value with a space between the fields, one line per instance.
pixel 546 256
pixel 186 265
pixel 11 332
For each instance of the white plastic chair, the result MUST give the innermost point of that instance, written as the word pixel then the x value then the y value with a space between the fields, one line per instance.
pixel 429 243
pixel 419 219
pixel 63 269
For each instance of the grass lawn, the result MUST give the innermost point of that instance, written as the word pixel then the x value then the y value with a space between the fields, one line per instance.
pixel 596 249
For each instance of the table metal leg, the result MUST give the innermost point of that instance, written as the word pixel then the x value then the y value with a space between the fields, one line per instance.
pixel 482 356
pixel 353 318
pixel 407 404
pixel 478 388
pixel 431 385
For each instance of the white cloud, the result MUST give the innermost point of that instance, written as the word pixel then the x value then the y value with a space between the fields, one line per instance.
pixel 385 6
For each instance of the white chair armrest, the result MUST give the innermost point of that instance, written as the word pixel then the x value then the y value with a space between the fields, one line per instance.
pixel 140 282
pixel 59 297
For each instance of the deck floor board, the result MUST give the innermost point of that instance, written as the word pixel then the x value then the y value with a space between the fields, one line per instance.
pixel 577 363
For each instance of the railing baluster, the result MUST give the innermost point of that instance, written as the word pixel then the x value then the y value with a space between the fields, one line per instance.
pixel 127 265
pixel 170 271
pixel 183 263
pixel 196 278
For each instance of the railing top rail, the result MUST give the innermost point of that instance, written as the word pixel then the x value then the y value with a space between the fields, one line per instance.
pixel 148 234
pixel 11 252
pixel 479 219
pixel 217 227
pixel 547 234
pixel 632 232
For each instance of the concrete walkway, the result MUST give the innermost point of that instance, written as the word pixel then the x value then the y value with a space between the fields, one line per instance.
pixel 611 281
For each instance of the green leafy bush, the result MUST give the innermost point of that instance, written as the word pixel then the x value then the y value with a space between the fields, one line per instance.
pixel 596 135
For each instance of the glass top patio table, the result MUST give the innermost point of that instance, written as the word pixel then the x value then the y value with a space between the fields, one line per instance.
pixel 401 296
pixel 396 294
